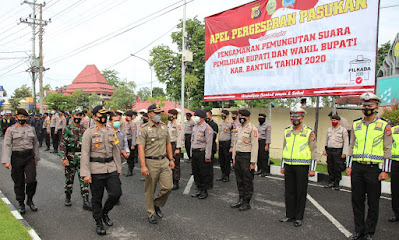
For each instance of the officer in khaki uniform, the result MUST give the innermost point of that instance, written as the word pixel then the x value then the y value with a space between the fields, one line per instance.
pixel 156 159
pixel 245 157
pixel 101 167
pixel 46 130
pixel 224 145
pixel 175 133
pixel 369 163
pixel 395 174
pixel 299 161
pixel 131 134
pixel 189 125
pixel 201 149
pixel 336 149
pixel 265 132
pixel 21 146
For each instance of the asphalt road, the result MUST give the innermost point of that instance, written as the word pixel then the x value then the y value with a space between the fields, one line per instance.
pixel 189 218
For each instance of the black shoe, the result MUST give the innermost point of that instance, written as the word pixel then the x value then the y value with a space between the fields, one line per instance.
pixel 68 202
pixel 100 227
pixel 226 179
pixel 86 204
pixel 22 208
pixel 196 194
pixel 259 172
pixel 336 184
pixel 336 187
pixel 330 185
pixel 129 173
pixel 298 223
pixel 393 219
pixel 158 211
pixel 237 204
pixel 175 184
pixel 107 221
pixel 31 205
pixel 203 195
pixel 264 174
pixel 368 236
pixel 286 219
pixel 142 179
pixel 55 151
pixel 152 220
pixel 355 236
pixel 244 207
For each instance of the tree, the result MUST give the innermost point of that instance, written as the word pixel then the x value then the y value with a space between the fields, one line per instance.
pixel 4 93
pixel 144 93
pixel 94 100
pixel 80 99
pixel 157 91
pixel 123 97
pixel 112 77
pixel 382 53
pixel 19 94
pixel 47 87
pixel 58 101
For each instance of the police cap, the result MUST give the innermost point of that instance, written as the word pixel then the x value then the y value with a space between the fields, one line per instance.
pixel 100 109
pixel 369 98
pixel 154 108
pixel 262 115
pixel 297 111
pixel 336 117
pixel 189 114
pixel 22 112
pixel 173 111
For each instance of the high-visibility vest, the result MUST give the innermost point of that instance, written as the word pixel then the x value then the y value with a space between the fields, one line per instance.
pixel 395 143
pixel 297 150
pixel 369 141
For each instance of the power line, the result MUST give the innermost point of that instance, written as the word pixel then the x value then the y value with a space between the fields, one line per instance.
pixel 390 6
pixel 69 8
pixel 14 68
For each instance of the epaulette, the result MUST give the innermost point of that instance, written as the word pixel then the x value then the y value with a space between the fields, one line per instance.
pixel 357 119
pixel 383 119
pixel 309 128
pixel 288 126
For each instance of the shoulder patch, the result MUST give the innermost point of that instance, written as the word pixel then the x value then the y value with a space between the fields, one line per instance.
pixel 312 136
pixel 255 133
pixel 389 130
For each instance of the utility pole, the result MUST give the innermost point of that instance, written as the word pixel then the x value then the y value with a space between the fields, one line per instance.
pixel 183 65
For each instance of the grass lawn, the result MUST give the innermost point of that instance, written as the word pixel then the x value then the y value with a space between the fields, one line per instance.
pixel 11 228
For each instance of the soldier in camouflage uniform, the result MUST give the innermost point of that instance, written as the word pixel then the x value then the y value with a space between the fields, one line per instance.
pixel 70 151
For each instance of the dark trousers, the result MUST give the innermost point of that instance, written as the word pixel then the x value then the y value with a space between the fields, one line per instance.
pixel 46 138
pixel 244 176
pixel 395 187
pixel 176 171
pixel 23 171
pixel 109 181
pixel 335 164
pixel 296 188
pixel 263 157
pixel 55 138
pixel 225 157
pixel 364 179
pixel 40 137
pixel 202 171
pixel 132 157
pixel 187 144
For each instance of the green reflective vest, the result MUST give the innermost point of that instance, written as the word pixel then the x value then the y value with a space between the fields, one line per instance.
pixel 395 143
pixel 297 150
pixel 369 141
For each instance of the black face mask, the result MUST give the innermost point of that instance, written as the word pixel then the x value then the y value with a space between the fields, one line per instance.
pixel 145 120
pixel 261 120
pixel 22 121
pixel 170 118
pixel 296 122
pixel 368 111
pixel 188 118
pixel 77 120
pixel 234 118
pixel 223 117
pixel 207 120
pixel 243 120
pixel 102 119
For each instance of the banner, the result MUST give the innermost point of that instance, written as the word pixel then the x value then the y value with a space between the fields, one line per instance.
pixel 291 48
pixel 388 90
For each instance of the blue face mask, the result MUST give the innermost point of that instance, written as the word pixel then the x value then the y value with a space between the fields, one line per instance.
pixel 116 124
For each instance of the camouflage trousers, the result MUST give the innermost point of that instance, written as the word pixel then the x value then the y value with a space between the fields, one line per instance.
pixel 70 172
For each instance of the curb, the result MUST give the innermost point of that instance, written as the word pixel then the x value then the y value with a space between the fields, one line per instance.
pixel 19 217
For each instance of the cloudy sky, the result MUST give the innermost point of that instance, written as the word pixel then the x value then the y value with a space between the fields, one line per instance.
pixel 83 32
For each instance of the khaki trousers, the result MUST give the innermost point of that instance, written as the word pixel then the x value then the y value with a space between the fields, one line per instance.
pixel 159 172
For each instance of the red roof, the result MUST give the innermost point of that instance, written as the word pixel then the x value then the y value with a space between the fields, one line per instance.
pixel 349 100
pixel 90 80
pixel 168 105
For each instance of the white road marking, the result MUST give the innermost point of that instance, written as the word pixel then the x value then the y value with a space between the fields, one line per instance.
pixel 34 235
pixel 188 186
pixel 6 201
pixel 17 215
pixel 329 216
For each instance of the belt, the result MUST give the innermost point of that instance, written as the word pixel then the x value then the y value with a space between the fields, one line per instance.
pixel 198 149
pixel 74 150
pixel 156 158
pixel 261 140
pixel 243 153
pixel 334 149
pixel 188 134
pixel 366 163
pixel 23 151
pixel 101 160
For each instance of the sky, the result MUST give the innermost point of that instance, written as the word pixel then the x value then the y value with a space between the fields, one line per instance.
pixel 81 33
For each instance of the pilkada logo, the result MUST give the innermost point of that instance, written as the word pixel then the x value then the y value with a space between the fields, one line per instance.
pixel 359 69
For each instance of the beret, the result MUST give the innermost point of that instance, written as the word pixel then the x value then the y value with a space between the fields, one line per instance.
pixel 262 114
pixel 173 111
pixel 244 112
pixel 22 111
pixel 189 114
pixel 200 113
pixel 336 117
pixel 234 112
pixel 225 112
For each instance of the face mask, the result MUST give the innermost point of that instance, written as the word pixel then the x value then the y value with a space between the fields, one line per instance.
pixel 223 117
pixel 116 124
pixel 170 118
pixel 234 118
pixel 188 118
pixel 242 120
pixel 334 124
pixel 207 120
pixel 197 119
pixel 22 121
pixel 296 122
pixel 261 120
pixel 102 119
pixel 156 118
pixel 145 120
pixel 368 111
pixel 77 120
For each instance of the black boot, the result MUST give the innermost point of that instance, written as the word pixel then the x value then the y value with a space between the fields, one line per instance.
pixel 86 204
pixel 336 185
pixel 22 208
pixel 237 204
pixel 107 221
pixel 203 194
pixel 245 206
pixel 31 205
pixel 100 227
pixel 221 178
pixel 175 184
pixel 196 194
pixel 129 173
pixel 226 178
pixel 68 200
pixel 330 184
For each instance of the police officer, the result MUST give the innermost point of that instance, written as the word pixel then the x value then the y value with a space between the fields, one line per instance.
pixel 189 125
pixel 38 128
pixel 131 134
pixel 245 156
pixel 101 167
pixel 156 159
pixel 215 127
pixel 54 125
pixel 224 145
pixel 175 133
pixel 373 138
pixel 46 131
pixel 299 162
pixel 395 174
pixel 121 139
pixel 336 149
pixel 70 151
pixel 21 146
pixel 201 149
pixel 265 132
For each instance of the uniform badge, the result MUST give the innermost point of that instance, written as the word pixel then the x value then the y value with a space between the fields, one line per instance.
pixel 179 127
pixel 112 139
pixel 389 130
pixel 97 145
pixel 162 127
pixel 97 140
pixel 95 133
pixel 396 131
pixel 245 140
pixel 97 127
pixel 199 135
pixel 225 129
pixel 139 133
pixel 312 137
pixel 256 133
pixel 133 127
pixel 358 126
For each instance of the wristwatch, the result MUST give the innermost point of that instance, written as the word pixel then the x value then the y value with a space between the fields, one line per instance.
pixel 253 163
pixel 172 159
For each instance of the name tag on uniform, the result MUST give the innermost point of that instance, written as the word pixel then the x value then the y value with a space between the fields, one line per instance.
pixel 358 126
pixel 396 131
pixel 288 134
pixel 378 126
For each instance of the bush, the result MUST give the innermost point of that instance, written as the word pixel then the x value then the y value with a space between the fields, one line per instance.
pixel 392 115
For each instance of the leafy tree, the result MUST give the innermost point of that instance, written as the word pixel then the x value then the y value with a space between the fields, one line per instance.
pixel 123 97
pixel 144 93
pixel 80 98
pixel 112 77
pixel 157 91
pixel 4 93
pixel 47 87
pixel 94 100
pixel 60 102
pixel 19 94
pixel 382 52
